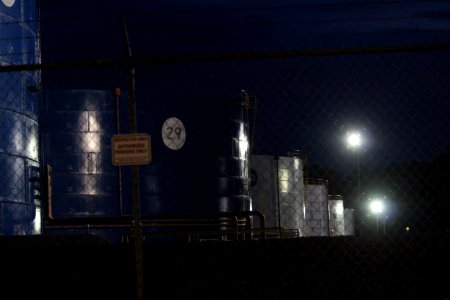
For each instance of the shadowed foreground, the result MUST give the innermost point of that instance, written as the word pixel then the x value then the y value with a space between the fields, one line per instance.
pixel 85 267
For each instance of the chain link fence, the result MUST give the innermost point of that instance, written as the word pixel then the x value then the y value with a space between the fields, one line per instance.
pixel 19 154
pixel 231 135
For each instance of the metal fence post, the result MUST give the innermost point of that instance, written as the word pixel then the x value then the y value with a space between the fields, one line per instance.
pixel 137 231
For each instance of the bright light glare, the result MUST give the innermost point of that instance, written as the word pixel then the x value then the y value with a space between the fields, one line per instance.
pixel 376 206
pixel 37 222
pixel 243 143
pixel 354 139
pixel 339 209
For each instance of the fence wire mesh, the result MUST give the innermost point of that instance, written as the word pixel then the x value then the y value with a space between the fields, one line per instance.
pixel 283 152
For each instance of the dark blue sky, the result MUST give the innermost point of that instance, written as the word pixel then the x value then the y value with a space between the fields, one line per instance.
pixel 399 99
pixel 91 28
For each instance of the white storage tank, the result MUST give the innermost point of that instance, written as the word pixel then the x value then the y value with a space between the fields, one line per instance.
pixel 349 221
pixel 336 211
pixel 278 190
pixel 316 208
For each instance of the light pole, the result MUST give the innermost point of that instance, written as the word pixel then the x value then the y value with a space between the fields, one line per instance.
pixel 377 207
pixel 354 142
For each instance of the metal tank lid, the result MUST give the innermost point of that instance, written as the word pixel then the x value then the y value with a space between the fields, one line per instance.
pixel 335 197
pixel 297 153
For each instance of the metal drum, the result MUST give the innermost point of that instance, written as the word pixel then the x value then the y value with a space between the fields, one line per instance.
pixel 278 190
pixel 19 159
pixel 316 208
pixel 336 211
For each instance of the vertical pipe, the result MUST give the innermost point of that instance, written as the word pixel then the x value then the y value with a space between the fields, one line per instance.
pixel 118 168
pixel 137 232
pixel 359 176
pixel 278 195
pixel 358 196
pixel 377 223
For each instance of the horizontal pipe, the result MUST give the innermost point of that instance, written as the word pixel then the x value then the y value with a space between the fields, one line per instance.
pixel 112 226
pixel 226 56
pixel 195 220
pixel 171 217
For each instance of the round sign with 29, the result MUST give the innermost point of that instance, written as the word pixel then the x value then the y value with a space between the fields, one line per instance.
pixel 173 133
pixel 9 3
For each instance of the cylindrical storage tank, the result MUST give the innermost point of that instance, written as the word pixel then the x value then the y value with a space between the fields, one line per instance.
pixel 349 221
pixel 264 191
pixel 316 208
pixel 336 215
pixel 199 160
pixel 19 158
pixel 278 190
pixel 200 154
pixel 78 125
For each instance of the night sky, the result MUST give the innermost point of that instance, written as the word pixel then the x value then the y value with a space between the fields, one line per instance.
pixel 399 100
pixel 82 28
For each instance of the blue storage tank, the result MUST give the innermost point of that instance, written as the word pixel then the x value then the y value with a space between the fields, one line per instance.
pixel 77 128
pixel 18 32
pixel 199 150
pixel 19 159
pixel 207 170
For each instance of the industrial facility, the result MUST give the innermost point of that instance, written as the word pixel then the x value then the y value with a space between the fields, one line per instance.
pixel 66 171
pixel 224 149
pixel 293 204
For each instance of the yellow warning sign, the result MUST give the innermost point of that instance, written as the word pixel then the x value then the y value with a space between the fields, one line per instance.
pixel 131 149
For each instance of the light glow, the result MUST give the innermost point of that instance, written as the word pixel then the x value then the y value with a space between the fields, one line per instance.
pixel 376 206
pixel 339 208
pixel 283 178
pixel 354 140
pixel 90 140
pixel 37 222
pixel 243 143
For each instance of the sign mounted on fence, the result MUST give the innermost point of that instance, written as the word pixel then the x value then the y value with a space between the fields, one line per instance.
pixel 131 149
